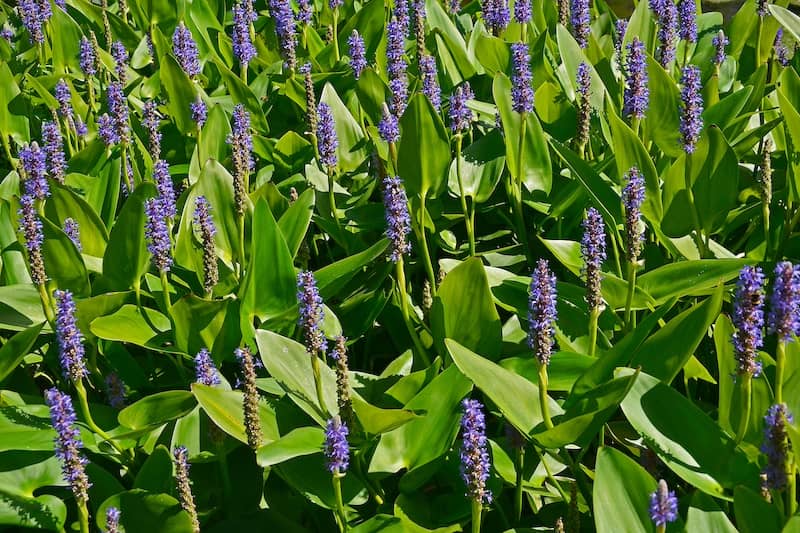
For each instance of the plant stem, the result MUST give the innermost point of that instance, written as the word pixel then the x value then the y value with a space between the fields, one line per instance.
pixel 318 383
pixel 520 467
pixel 240 228
pixel 543 398
pixel 336 34
pixel 337 491
pixel 791 491
pixel 780 367
pixel 629 297
pixel 467 216
pixel 477 510
pixel 332 198
pixel 426 256
pixel 87 415
pixel 594 315
pixel 517 188
pixel 698 231
pixel 745 388
pixel 403 295
pixel 46 306
pixel 759 32
pixel 83 516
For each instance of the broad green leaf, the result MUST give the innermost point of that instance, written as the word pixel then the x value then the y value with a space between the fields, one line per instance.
pixel 572 55
pixel 126 257
pixel 679 433
pixel 334 276
pixel 661 124
pixel 141 510
pixel 463 310
pixel 621 494
pixel 155 474
pixel 675 280
pixel 299 442
pixel 705 516
pixel 482 165
pixel 23 475
pixel 242 94
pixel 180 93
pixel 225 408
pixel 787 19
pixel 26 427
pixel 20 307
pixel 269 286
pixel 753 513
pixel 197 322
pixel 424 149
pixel 531 164
pixel 128 324
pixel 294 222
pixel 64 203
pixel 157 409
pixel 564 369
pixel 504 388
pixel 212 139
pixel 351 150
pixel 375 420
pixel 16 348
pixel 63 262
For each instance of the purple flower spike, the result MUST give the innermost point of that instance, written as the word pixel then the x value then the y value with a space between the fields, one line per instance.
pixel 453 6
pixel 120 55
pixel 31 228
pixel 687 20
pixel 115 391
pixel 34 165
pixel 70 339
pixel 584 82
pixel 692 109
pixel 496 15
pixel 761 8
pixel 620 27
pixel 252 423
pixel 205 370
pixel 581 17
pixel 281 11
pixel 663 505
pixel 7 33
pixel 157 233
pixel 398 220
pixel 522 11
pixel 358 54
pixel 88 60
pixel 184 486
pixel 784 315
pixel 521 90
pixel 118 109
pixel 32 19
pixel 112 520
pixel 389 126
pixel 199 112
pixel 337 450
pixel 719 41
pixel 542 312
pixel 73 231
pixel 241 141
pixel 398 88
pixel 637 94
pixel 243 47
pixel 326 134
pixel 593 251
pixel 632 199
pixel 781 51
pixel 311 313
pixel 151 122
pixel 68 443
pixel 395 50
pixel 205 223
pixel 185 50
pixel 475 461
pixel 402 14
pixel 166 193
pixel 667 32
pixel 305 11
pixel 430 82
pixel 54 150
pixel 460 114
pixel 107 129
pixel 777 446
pixel 748 320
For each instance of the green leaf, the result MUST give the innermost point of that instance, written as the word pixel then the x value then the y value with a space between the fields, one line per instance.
pixel 299 442
pixel 141 510
pixel 212 140
pixel 333 277
pixel 753 514
pixel 64 203
pixel 666 352
pixel 565 368
pixel 23 475
pixel 684 278
pixel 157 409
pixel 503 387
pixel 242 94
pixel 463 310
pixel 26 427
pixel 661 124
pixel 16 348
pixel 225 408
pixel 198 323
pixel 621 494
pixel 20 307
pixel 424 150
pixel 572 55
pixel 63 262
pixel 375 420
pixel 706 517
pixel 269 286
pixel 535 170
pixel 482 164
pixel 126 257
pixel 294 222
pixel 352 148
pixel 180 93
pixel 679 433
pixel 788 20
pixel 129 325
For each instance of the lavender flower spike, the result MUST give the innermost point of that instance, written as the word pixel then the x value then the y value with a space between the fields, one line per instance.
pixel 205 223
pixel 663 505
pixel 34 165
pixel 166 193
pixel 620 27
pixel 150 121
pixel 522 11
pixel 64 98
pixel 54 150
pixel 115 390
pixel 496 15
pixel 205 370
pixel 475 460
pixel 305 11
pixel 70 339
pixel 7 33
pixel 593 250
pixel 584 82
pixel 184 487
pixel 581 18
pixel 398 220
pixel 157 233
pixel 243 47
pixel 73 231
pixel 337 450
pixel 398 89
pixel 430 83
pixel 311 313
pixel 358 54
pixel 781 51
pixel 460 114
pixel 199 112
pixel 112 520
pixel 542 312
pixel 252 423
pixel 281 11
pixel 326 134
pixel 31 228
pixel 107 130
pixel 395 51
pixel 687 20
pixel 692 109
pixel 777 446
pixel 88 60
pixel 748 320
pixel 389 126
pixel 242 143
pixel 636 95
pixel 120 55
pixel 32 20
pixel 521 79
pixel 719 41
pixel 185 50
pixel 632 199
pixel 761 8
pixel 118 109
pixel 68 443
pixel 784 315
pixel 667 32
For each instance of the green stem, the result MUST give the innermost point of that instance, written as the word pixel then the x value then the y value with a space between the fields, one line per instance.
pixel 337 491
pixel 87 415
pixel 318 383
pixel 426 256
pixel 765 208
pixel 240 228
pixel 520 467
pixel 165 294
pixel 83 515
pixel 393 156
pixel 477 510
pixel 48 310
pixel 551 477
pixel 467 217
pixel 401 286
pixel 336 34
pixel 791 491
pixel 332 198
pixel 629 297
pixel 544 399
pixel 594 315
pixel 745 388
pixel 780 367
pixel 243 72
pixel 759 32
pixel 517 188
pixel 661 529
pixel 698 231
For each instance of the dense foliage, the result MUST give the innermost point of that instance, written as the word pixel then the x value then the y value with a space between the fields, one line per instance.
pixel 404 266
